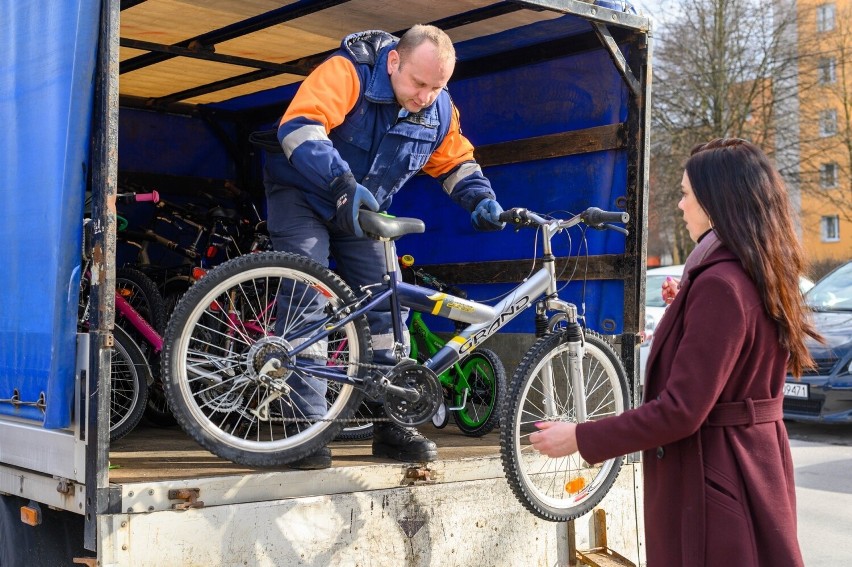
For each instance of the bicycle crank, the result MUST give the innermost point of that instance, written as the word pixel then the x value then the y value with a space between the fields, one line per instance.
pixel 412 394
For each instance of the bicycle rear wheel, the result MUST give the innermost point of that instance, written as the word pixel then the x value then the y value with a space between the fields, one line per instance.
pixel 129 377
pixel 481 388
pixel 562 488
pixel 223 332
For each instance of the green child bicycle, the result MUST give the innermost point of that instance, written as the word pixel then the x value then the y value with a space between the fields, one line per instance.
pixel 473 387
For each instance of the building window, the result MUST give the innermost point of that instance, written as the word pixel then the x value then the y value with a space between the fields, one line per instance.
pixel 826 69
pixel 828 175
pixel 830 228
pixel 825 17
pixel 827 123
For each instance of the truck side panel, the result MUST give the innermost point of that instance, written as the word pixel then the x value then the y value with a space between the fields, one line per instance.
pixel 46 91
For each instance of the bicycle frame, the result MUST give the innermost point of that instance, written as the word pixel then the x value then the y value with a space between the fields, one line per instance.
pixel 139 323
pixel 484 320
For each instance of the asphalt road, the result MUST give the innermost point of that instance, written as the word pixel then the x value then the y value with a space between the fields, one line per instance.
pixel 822 457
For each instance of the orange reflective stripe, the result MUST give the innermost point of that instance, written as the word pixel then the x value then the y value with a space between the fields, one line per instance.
pixel 454 150
pixel 327 94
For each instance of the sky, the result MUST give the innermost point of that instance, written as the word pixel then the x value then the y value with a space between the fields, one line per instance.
pixel 650 8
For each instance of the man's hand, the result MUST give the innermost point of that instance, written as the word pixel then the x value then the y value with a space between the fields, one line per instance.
pixel 486 216
pixel 555 438
pixel 349 199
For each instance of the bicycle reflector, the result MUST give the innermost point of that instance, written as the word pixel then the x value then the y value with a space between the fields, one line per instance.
pixel 575 485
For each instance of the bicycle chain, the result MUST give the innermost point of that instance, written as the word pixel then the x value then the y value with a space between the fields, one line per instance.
pixel 353 420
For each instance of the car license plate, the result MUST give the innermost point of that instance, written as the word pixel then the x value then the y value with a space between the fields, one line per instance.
pixel 796 390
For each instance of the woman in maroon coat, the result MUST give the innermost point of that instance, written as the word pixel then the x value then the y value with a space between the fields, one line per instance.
pixel 718 475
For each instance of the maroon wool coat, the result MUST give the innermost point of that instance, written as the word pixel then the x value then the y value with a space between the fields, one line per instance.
pixel 714 496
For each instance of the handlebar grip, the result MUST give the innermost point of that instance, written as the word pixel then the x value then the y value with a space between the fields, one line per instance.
pixel 594 216
pixel 515 216
pixel 153 197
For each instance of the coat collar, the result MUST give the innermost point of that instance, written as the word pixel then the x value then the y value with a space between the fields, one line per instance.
pixel 379 89
pixel 667 324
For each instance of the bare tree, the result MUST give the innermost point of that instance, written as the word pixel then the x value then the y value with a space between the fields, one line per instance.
pixel 713 76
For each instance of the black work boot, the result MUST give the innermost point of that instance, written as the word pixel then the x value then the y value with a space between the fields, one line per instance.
pixel 402 443
pixel 319 459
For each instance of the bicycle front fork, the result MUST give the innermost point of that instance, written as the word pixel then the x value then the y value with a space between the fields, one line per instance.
pixel 574 341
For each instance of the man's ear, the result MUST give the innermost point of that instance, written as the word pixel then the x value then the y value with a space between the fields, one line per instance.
pixel 393 61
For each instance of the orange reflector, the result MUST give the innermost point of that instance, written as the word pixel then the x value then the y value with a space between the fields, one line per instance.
pixel 575 485
pixel 30 516
pixel 124 292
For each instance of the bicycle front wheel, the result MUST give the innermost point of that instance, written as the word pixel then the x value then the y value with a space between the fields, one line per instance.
pixel 562 488
pixel 227 330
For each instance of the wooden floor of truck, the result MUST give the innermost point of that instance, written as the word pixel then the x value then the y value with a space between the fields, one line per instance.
pixel 162 453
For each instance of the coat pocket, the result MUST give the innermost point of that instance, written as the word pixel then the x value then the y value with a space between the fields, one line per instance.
pixel 728 525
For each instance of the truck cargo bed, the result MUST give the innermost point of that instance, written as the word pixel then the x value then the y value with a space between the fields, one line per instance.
pixel 161 453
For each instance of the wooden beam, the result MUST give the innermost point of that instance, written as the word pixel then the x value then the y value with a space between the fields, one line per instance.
pixel 207 53
pixel 601 267
pixel 612 136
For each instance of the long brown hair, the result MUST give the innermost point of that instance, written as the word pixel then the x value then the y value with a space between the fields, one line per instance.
pixel 747 202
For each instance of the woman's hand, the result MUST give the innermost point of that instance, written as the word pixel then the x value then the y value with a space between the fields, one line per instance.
pixel 670 288
pixel 555 438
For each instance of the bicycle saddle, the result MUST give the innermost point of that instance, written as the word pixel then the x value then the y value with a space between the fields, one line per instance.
pixel 384 226
pixel 223 214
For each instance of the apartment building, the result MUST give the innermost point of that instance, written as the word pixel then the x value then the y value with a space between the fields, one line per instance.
pixel 824 129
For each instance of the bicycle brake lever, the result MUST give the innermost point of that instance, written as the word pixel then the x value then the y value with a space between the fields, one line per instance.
pixel 620 229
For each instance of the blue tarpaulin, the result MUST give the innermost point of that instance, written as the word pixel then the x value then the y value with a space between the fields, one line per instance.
pixel 47 76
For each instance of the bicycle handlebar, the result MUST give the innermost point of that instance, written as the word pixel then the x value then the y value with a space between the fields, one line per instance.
pixel 153 197
pixel 593 217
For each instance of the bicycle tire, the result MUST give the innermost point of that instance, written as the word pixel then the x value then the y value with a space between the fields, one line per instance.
pixel 141 292
pixel 563 488
pixel 129 378
pixel 143 295
pixel 221 332
pixel 485 379
pixel 359 431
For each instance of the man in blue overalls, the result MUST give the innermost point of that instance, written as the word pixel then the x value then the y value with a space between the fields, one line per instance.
pixel 361 124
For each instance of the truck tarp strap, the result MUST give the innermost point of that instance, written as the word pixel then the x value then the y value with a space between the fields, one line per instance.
pixel 267 140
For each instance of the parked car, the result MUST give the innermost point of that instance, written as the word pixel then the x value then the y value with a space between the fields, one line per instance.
pixel 825 393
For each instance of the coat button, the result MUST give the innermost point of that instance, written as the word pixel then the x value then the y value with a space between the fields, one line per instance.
pixel 661 452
